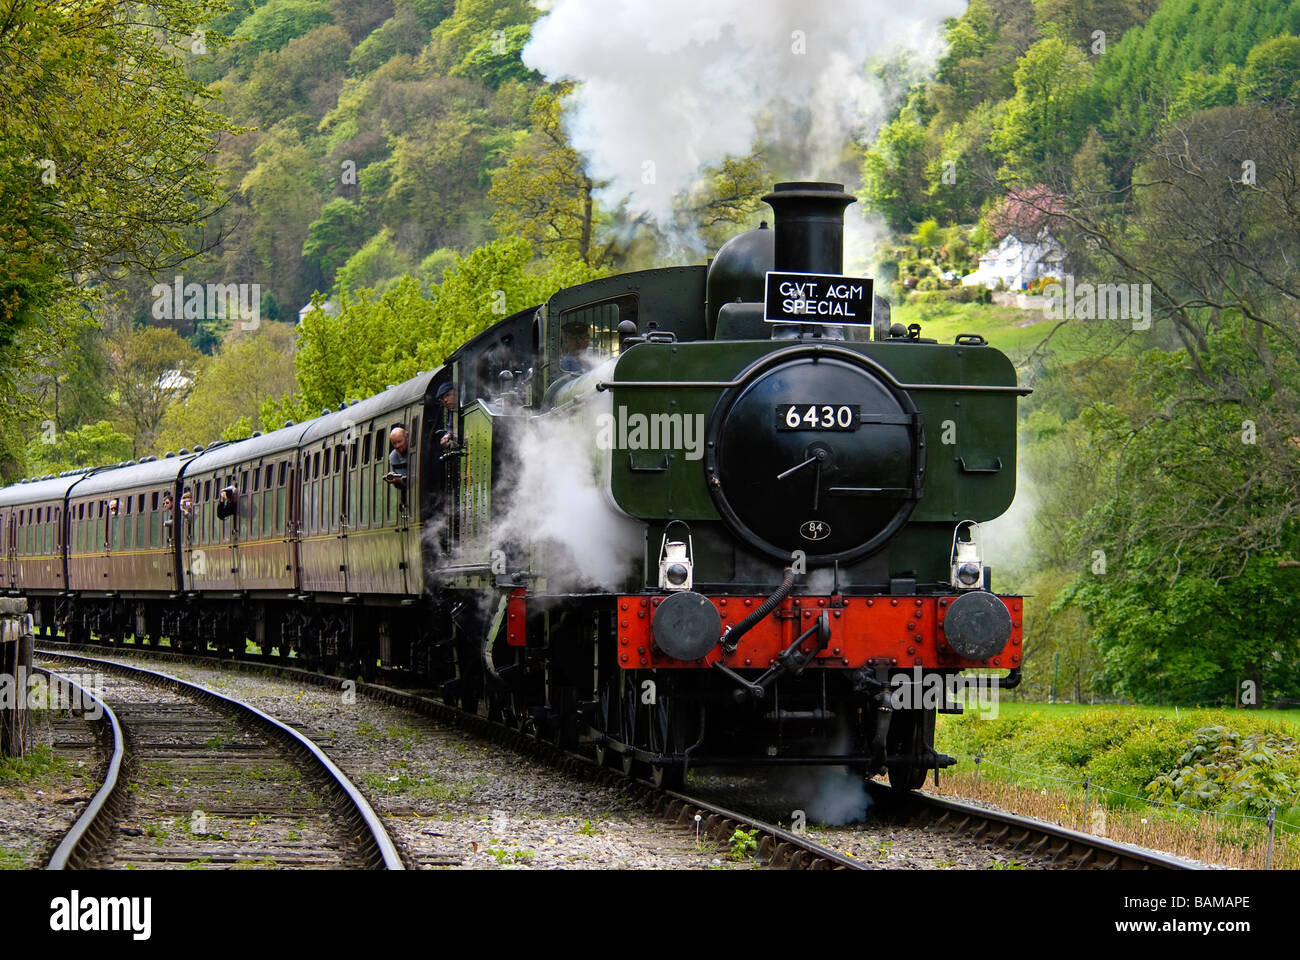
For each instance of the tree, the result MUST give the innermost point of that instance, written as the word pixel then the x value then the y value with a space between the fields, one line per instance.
pixel 102 146
pixel 893 171
pixel 1199 485
pixel 284 188
pixel 232 386
pixel 543 193
pixel 1272 73
pixel 150 369
pixel 1048 116
pixel 274 24
pixel 461 35
pixel 334 235
pixel 375 266
pixel 284 83
pixel 93 444
pixel 1024 212
pixel 377 339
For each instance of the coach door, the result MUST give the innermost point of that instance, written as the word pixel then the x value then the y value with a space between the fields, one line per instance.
pixel 339 506
pixel 7 525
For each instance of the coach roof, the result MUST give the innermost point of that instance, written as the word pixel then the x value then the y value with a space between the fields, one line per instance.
pixel 122 479
pixel 38 491
pixel 247 451
pixel 379 405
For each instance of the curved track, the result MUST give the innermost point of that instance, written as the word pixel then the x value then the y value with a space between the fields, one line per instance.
pixel 777 847
pixel 255 792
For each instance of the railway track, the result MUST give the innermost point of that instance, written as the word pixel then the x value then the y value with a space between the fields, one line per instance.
pixel 198 779
pixel 998 829
pixel 776 846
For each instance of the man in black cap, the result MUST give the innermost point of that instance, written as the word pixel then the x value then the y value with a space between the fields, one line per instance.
pixel 447 397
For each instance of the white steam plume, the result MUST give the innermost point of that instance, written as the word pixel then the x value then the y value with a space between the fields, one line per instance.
pixel 556 497
pixel 666 89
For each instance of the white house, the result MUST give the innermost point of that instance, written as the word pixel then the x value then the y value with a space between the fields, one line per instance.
pixel 329 306
pixel 1014 264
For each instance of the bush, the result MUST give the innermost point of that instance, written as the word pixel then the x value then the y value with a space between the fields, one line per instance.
pixel 1220 769
pixel 1194 758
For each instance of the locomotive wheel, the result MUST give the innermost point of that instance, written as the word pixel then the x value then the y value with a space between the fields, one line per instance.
pixel 600 750
pixel 914 739
pixel 663 739
pixel 667 776
pixel 627 732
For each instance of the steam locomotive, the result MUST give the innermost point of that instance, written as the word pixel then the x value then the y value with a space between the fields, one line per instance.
pixel 786 489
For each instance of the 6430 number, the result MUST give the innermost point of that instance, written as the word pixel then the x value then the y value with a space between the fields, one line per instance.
pixel 817 416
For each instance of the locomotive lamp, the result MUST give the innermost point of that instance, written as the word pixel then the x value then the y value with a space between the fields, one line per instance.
pixel 967 568
pixel 676 564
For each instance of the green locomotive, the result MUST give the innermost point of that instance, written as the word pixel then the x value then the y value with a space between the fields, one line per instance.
pixel 725 515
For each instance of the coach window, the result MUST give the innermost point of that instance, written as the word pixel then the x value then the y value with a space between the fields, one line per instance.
pixel 257 480
pixel 125 520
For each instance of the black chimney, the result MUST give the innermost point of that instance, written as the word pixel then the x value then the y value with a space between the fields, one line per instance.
pixel 809 226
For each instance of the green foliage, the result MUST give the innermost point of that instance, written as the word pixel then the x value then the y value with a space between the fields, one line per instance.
pixel 1122 749
pixel 894 168
pixel 1048 117
pixel 495 58
pixel 1220 769
pixel 339 229
pixel 375 266
pixel 228 391
pixel 1272 72
pixel 744 843
pixel 100 150
pixel 274 24
pixel 150 369
pixel 38 766
pixel 434 267
pixel 1144 71
pixel 473 23
pixel 382 338
pixel 89 445
pixel 1180 616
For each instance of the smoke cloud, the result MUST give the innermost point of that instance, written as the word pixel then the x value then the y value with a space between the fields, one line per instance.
pixel 556 499
pixel 669 88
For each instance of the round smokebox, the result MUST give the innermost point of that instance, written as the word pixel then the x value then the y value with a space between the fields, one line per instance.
pixel 686 626
pixel 978 625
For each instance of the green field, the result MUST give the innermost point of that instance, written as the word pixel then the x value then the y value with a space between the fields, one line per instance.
pixel 1013 331
pixel 1123 748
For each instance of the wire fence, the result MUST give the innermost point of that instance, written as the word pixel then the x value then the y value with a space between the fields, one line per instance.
pixel 1091 790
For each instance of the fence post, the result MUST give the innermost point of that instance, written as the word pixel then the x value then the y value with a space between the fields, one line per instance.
pixel 16 643
pixel 1087 793
pixel 1272 826
pixel 978 758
